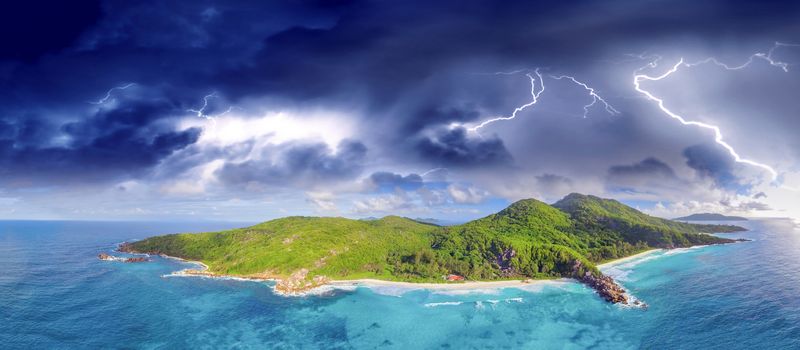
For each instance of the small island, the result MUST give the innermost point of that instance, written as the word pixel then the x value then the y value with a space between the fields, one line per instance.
pixel 710 217
pixel 528 240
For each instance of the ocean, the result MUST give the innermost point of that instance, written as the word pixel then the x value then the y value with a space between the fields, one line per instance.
pixel 56 294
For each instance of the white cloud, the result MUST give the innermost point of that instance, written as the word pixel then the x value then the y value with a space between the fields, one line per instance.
pixel 323 201
pixel 466 194
pixel 391 203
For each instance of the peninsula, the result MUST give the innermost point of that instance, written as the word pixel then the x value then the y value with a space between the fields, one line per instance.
pixel 710 217
pixel 528 240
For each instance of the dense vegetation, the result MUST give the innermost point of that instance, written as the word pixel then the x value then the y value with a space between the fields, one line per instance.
pixel 612 227
pixel 327 246
pixel 528 239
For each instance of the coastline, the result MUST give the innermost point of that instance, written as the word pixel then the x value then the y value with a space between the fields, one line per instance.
pixel 204 266
pixel 315 289
pixel 628 258
pixel 369 283
pixel 363 282
pixel 472 285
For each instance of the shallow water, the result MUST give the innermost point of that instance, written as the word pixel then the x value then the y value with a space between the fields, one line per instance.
pixel 55 293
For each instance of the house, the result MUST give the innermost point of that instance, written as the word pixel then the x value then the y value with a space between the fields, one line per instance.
pixel 454 278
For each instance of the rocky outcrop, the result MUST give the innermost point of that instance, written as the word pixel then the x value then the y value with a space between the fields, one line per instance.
pixel 106 257
pixel 605 287
pixel 136 259
pixel 297 283
pixel 602 284
pixel 503 260
pixel 126 247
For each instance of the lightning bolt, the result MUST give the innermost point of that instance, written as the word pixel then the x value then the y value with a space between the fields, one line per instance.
pixel 201 113
pixel 534 99
pixel 766 56
pixel 638 78
pixel 433 171
pixel 537 80
pixel 595 97
pixel 110 92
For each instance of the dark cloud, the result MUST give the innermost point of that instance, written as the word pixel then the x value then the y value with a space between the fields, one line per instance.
pixel 453 147
pixel 650 175
pixel 553 187
pixel 34 28
pixel 298 164
pixel 713 162
pixel 650 167
pixel 407 74
pixel 124 142
pixel 386 182
pixel 435 115
pixel 552 180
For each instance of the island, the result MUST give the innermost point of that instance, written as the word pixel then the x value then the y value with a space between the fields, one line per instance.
pixel 710 217
pixel 527 240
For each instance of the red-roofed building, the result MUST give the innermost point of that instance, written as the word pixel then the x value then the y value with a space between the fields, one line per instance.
pixel 455 278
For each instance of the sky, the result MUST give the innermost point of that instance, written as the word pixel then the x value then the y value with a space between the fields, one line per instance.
pixel 252 110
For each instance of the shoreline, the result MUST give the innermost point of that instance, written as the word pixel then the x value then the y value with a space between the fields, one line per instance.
pixel 472 285
pixel 362 282
pixel 204 266
pixel 629 258
pixel 369 282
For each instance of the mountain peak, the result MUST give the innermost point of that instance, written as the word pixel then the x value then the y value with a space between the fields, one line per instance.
pixel 575 201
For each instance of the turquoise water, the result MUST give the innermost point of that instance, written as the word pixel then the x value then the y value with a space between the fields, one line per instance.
pixel 54 293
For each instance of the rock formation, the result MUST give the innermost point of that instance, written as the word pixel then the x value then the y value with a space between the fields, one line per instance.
pixel 602 284
pixel 106 257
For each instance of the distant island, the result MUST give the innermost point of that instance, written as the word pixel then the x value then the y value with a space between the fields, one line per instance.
pixel 710 217
pixel 527 240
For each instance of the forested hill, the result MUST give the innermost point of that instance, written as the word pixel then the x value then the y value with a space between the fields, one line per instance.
pixel 529 239
pixel 615 221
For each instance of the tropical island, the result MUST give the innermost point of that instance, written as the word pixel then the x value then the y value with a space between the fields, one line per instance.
pixel 710 217
pixel 527 240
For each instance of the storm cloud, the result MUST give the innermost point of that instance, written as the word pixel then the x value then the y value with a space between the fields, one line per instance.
pixel 324 97
pixel 300 165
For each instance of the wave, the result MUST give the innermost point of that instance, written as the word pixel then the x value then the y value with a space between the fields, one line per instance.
pixel 183 273
pixel 113 258
pixel 486 291
pixel 684 250
pixel 203 266
pixel 622 270
pixel 479 304
pixel 444 303
pixel 326 289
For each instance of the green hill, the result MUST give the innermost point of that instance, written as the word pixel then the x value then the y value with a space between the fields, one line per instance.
pixel 612 223
pixel 325 246
pixel 529 239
